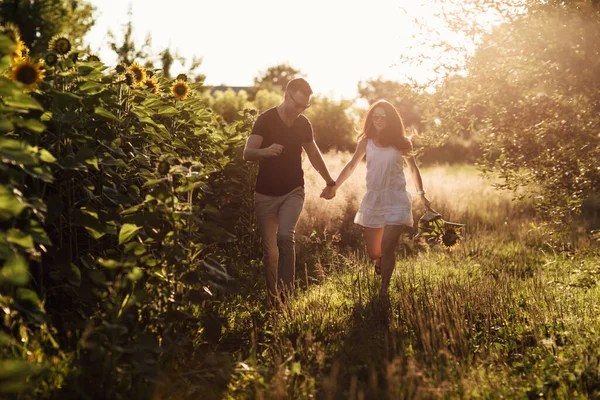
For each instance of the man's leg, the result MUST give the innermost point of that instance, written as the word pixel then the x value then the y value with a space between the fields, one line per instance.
pixel 266 208
pixel 289 213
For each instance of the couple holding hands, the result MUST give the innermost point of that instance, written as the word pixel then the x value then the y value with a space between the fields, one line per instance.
pixel 276 142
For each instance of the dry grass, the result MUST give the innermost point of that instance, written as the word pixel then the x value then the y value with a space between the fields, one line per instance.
pixel 510 313
pixel 459 193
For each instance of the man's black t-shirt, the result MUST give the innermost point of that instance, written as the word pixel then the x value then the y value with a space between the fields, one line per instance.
pixel 280 175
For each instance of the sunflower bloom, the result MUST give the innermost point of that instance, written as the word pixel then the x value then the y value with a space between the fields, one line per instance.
pixel 151 84
pixel 450 239
pixel 182 77
pixel 127 78
pixel 51 59
pixel 92 57
pixel 27 71
pixel 12 32
pixel 60 45
pixel 180 90
pixel 138 72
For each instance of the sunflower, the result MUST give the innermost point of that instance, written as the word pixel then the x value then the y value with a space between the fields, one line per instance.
pixel 138 72
pixel 60 45
pixel 26 71
pixel 180 90
pixel 182 77
pixel 127 78
pixel 92 57
pixel 151 84
pixel 12 32
pixel 51 59
pixel 450 238
pixel 433 229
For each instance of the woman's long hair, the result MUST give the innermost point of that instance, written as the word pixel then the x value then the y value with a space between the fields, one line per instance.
pixel 393 134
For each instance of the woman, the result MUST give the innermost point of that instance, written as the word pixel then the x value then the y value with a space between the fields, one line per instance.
pixel 385 210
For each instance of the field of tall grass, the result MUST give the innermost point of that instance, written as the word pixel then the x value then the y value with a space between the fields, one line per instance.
pixel 512 312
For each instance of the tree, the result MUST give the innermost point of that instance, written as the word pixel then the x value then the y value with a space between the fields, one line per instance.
pixel 332 126
pixel 402 96
pixel 275 78
pixel 266 99
pixel 531 93
pixel 228 103
pixel 127 51
pixel 41 20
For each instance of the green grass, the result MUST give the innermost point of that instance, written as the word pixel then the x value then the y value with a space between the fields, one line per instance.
pixel 512 312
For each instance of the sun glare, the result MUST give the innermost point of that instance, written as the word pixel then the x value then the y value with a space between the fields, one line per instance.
pixel 335 44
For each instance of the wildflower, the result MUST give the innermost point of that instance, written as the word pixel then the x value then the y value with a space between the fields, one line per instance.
pixel 180 90
pixel 151 84
pixel 26 71
pixel 60 45
pixel 138 72
pixel 51 59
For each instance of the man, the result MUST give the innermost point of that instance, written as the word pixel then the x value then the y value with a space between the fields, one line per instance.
pixel 276 142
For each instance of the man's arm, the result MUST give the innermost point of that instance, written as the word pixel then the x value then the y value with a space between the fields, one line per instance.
pixel 253 152
pixel 316 159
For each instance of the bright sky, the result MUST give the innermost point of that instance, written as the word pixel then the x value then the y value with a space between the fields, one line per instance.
pixel 334 43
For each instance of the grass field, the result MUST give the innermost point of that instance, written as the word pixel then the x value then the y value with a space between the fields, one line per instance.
pixel 512 312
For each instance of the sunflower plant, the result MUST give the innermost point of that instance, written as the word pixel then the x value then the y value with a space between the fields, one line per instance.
pixel 433 230
pixel 111 196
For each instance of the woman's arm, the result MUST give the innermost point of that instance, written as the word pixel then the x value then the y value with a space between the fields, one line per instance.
pixel 416 175
pixel 359 153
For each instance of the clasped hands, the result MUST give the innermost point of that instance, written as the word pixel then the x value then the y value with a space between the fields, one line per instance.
pixel 328 193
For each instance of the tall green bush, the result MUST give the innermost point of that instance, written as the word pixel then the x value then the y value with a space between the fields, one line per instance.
pixel 117 204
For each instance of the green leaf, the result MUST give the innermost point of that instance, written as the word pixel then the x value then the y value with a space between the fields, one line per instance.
pixel 6 339
pixel 46 156
pixel 19 238
pixel 16 369
pixel 16 152
pixel 104 113
pixel 89 220
pixel 65 99
pixel 168 111
pixel 112 264
pixel 10 206
pixel 128 232
pixel 135 274
pixel 73 274
pixel 6 125
pixel 7 46
pixel 20 100
pixel 32 124
pixel 92 87
pixel 28 297
pixel 15 270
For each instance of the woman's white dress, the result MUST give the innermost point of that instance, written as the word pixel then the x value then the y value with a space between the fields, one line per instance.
pixel 386 201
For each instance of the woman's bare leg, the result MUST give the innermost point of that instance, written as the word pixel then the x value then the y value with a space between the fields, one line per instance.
pixel 373 237
pixel 389 241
